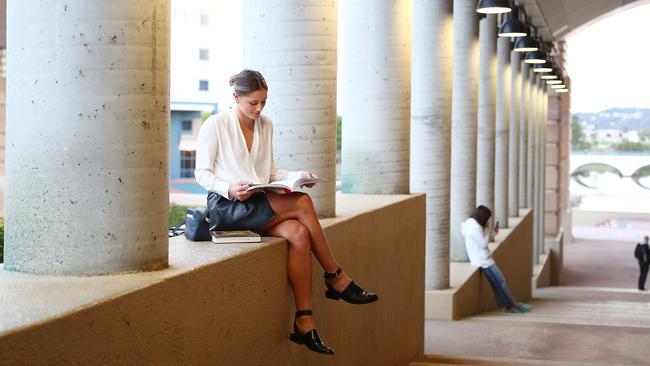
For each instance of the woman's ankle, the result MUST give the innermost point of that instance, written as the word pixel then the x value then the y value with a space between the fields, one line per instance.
pixel 305 324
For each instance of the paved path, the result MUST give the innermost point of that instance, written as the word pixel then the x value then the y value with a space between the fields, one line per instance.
pixel 596 318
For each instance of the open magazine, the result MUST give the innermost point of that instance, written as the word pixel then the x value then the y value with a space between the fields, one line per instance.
pixel 284 186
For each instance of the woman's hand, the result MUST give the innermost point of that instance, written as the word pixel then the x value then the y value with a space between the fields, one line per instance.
pixel 308 174
pixel 238 191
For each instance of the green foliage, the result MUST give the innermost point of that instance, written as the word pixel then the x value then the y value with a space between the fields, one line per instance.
pixel 176 214
pixel 578 141
pixel 205 115
pixel 339 123
pixel 2 239
pixel 631 146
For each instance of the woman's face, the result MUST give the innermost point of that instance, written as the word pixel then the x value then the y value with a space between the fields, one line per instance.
pixel 251 105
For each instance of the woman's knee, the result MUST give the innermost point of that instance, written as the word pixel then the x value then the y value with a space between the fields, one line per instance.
pixel 304 203
pixel 299 237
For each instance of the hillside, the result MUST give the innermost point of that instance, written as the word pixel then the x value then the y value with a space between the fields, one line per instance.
pixel 617 118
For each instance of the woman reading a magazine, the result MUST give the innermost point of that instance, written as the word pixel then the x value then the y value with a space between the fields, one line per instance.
pixel 235 152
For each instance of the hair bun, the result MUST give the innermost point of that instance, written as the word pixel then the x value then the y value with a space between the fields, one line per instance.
pixel 231 80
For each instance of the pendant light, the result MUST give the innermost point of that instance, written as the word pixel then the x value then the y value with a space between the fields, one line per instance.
pixel 535 57
pixel 554 82
pixel 493 7
pixel 565 90
pixel 513 27
pixel 550 75
pixel 543 68
pixel 525 44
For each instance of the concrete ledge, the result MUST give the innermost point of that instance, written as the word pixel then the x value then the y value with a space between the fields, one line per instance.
pixel 470 293
pixel 542 272
pixel 230 304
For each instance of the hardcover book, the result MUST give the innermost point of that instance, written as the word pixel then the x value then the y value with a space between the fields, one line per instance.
pixel 235 236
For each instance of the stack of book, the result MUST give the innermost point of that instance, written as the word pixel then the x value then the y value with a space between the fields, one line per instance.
pixel 235 236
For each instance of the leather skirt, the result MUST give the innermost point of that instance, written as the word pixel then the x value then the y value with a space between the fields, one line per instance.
pixel 251 214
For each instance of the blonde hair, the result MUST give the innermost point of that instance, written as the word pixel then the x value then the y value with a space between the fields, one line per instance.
pixel 247 81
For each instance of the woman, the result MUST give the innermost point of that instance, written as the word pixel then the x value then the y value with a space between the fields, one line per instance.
pixel 475 231
pixel 235 151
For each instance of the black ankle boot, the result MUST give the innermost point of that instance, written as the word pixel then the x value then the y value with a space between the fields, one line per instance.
pixel 310 339
pixel 352 294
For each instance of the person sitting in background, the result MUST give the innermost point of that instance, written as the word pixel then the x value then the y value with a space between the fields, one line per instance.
pixel 475 231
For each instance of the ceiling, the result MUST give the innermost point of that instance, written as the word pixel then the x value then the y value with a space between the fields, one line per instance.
pixel 555 19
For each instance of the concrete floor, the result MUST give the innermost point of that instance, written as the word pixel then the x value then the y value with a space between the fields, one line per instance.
pixel 597 317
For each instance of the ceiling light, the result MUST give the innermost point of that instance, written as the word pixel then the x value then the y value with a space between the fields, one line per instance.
pixel 493 6
pixel 554 82
pixel 525 44
pixel 535 57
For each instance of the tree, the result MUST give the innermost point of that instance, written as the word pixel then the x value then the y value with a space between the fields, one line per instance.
pixel 578 141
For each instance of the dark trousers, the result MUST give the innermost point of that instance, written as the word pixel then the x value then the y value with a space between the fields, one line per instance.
pixel 643 267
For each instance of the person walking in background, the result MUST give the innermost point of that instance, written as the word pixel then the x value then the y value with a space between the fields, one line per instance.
pixel 642 254
pixel 475 231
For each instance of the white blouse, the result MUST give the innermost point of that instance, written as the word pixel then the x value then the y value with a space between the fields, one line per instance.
pixel 222 157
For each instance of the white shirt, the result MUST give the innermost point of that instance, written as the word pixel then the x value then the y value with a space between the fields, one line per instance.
pixel 222 157
pixel 476 243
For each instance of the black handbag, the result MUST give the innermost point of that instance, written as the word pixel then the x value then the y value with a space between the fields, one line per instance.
pixel 197 224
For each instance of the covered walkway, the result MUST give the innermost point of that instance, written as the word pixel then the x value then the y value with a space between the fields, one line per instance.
pixel 596 317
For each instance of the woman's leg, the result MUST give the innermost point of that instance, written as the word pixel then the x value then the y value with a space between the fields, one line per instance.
pixel 298 266
pixel 499 286
pixel 298 206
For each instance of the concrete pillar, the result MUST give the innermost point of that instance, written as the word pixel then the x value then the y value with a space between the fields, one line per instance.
pixel 3 85
pixel 530 165
pixel 486 111
pixel 431 129
pixel 523 135
pixel 542 165
pixel 87 136
pixel 293 44
pixel 376 97
pixel 502 133
pixel 463 122
pixel 535 166
pixel 513 148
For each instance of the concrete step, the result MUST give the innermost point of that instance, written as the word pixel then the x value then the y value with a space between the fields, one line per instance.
pixel 583 306
pixel 440 360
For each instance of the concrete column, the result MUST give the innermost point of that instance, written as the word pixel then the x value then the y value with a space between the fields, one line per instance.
pixel 87 136
pixel 542 165
pixel 431 129
pixel 523 135
pixel 486 112
pixel 293 44
pixel 3 85
pixel 463 122
pixel 530 165
pixel 502 133
pixel 513 148
pixel 535 165
pixel 376 97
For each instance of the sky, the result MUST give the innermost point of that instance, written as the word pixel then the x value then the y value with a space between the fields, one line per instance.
pixel 608 62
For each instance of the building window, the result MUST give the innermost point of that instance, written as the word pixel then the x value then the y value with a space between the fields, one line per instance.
pixel 204 19
pixel 188 162
pixel 203 85
pixel 186 126
pixel 204 54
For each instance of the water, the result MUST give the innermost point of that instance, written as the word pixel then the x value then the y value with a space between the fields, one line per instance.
pixel 613 193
